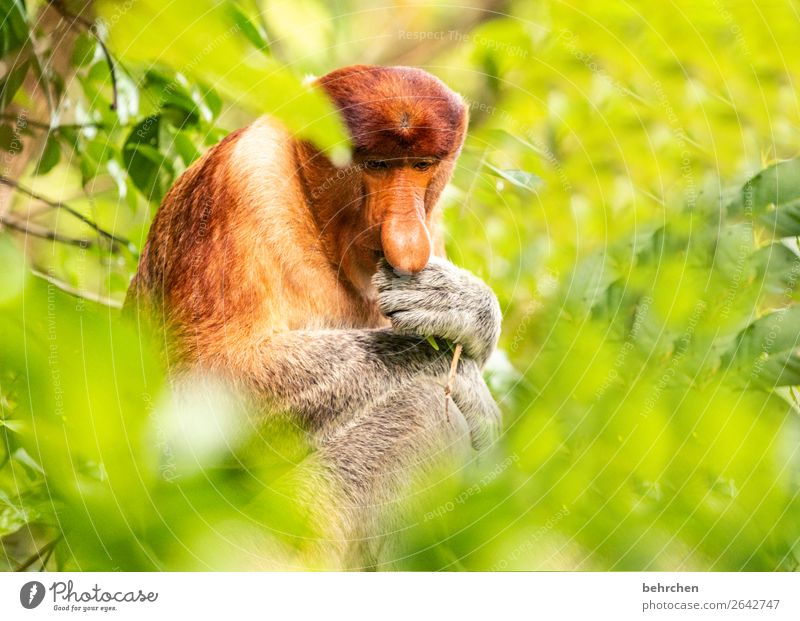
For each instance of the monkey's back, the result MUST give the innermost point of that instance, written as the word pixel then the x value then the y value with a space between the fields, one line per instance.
pixel 233 254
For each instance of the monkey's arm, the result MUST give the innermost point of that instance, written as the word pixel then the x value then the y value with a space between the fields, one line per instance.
pixel 323 375
pixel 320 373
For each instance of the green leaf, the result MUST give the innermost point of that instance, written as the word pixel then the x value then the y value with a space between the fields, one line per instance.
pixel 432 342
pixel 50 156
pixel 23 457
pixel 782 369
pixel 491 72
pixel 11 83
pixel 171 95
pixel 212 49
pixel 784 220
pixel 776 185
pixel 212 100
pixel 776 332
pixel 13 26
pixel 84 51
pixel 766 351
pixel 147 167
pixel 12 276
pixel 777 268
pixel 519 178
pixel 95 152
pixel 10 141
pixel 186 149
pixel 249 26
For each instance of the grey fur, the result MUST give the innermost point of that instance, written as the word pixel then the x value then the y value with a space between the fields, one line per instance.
pixel 373 404
pixel 373 401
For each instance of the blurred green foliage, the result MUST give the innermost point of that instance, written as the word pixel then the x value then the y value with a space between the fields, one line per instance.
pixel 609 191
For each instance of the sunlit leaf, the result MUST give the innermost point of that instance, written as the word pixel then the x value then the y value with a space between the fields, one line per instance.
pixel 211 48
pixel 519 178
pixel 13 26
pixel 50 155
pixel 777 185
pixel 11 83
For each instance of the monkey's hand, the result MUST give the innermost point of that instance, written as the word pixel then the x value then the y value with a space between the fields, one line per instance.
pixel 442 300
pixel 475 402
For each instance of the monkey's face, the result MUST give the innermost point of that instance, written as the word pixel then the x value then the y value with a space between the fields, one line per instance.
pixel 407 128
pixel 396 210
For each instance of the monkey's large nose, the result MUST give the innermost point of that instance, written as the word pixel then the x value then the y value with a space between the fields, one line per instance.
pixel 406 242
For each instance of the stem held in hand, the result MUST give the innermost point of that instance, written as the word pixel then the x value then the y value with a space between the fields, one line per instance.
pixel 451 377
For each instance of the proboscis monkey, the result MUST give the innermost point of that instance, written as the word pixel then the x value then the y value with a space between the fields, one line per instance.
pixel 315 286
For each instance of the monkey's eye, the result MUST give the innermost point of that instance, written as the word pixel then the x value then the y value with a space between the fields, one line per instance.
pixel 376 165
pixel 423 165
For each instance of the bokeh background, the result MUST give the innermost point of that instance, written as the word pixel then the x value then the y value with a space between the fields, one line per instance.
pixel 627 188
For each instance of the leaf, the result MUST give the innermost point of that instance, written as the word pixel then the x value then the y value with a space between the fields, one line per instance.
pixel 780 370
pixel 94 152
pixel 12 518
pixel 776 332
pixel 777 268
pixel 432 342
pixel 12 276
pixel 23 457
pixel 11 84
pixel 211 48
pixel 491 73
pixel 250 27
pixel 145 164
pixel 776 185
pixel 783 221
pixel 50 156
pixel 765 351
pixel 171 95
pixel 13 26
pixel 186 149
pixel 519 178
pixel 15 426
pixel 10 141
pixel 212 100
pixel 84 50
pixel 304 28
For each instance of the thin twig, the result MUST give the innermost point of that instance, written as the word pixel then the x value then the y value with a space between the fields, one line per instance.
pixel 451 378
pixel 47 556
pixel 114 239
pixel 38 554
pixel 78 293
pixel 45 234
pixel 92 29
pixel 27 123
pixel 46 126
pixel 111 69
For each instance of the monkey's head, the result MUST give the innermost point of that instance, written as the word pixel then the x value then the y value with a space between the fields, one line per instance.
pixel 407 129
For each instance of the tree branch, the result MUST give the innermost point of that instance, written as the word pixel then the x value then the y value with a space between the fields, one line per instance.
pixel 113 239
pixel 92 29
pixel 78 293
pixel 38 554
pixel 45 234
pixel 46 126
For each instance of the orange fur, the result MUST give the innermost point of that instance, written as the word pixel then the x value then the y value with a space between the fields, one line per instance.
pixel 264 235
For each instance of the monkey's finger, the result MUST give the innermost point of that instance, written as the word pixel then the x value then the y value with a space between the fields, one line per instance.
pixel 473 398
pixel 394 300
pixel 421 322
pixel 438 275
